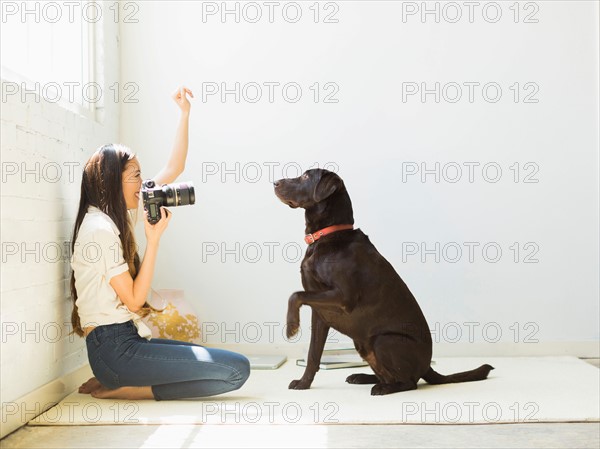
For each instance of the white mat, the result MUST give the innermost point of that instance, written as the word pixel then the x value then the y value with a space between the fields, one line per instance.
pixel 524 390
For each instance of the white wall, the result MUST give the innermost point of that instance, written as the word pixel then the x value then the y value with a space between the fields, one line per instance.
pixel 369 134
pixel 44 148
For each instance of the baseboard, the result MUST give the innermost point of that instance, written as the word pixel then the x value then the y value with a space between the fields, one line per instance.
pixel 17 413
pixel 582 349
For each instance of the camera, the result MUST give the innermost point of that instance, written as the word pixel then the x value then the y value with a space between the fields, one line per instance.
pixel 180 194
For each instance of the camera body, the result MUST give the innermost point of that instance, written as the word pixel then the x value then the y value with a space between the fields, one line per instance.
pixel 171 195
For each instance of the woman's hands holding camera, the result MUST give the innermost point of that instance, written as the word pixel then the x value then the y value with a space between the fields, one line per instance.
pixel 154 231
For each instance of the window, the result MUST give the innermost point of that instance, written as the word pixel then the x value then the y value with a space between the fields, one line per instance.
pixel 47 48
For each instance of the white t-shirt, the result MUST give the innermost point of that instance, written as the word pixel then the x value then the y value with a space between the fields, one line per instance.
pixel 97 258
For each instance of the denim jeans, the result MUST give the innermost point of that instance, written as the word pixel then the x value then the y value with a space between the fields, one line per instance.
pixel 174 369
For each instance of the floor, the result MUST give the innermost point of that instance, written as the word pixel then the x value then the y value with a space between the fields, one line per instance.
pixel 404 436
pixel 555 435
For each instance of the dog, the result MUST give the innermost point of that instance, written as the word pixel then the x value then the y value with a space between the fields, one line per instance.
pixel 353 289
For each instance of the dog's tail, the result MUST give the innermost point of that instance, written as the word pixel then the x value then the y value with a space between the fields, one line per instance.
pixel 435 378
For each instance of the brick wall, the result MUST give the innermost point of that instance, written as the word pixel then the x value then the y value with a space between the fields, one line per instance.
pixel 44 148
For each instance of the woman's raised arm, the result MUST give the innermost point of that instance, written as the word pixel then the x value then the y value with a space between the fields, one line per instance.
pixel 176 163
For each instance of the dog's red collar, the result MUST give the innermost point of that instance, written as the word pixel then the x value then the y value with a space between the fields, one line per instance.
pixel 312 238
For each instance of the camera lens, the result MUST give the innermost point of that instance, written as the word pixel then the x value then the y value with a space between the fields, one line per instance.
pixel 185 194
pixel 180 194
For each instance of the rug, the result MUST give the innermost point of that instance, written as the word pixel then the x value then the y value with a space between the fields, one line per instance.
pixel 518 390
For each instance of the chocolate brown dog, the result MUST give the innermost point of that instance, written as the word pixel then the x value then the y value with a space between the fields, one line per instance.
pixel 354 289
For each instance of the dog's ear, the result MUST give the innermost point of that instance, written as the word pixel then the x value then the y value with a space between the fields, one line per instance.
pixel 326 186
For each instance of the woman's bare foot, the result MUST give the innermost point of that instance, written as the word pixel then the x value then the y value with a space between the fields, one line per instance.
pixel 92 384
pixel 124 393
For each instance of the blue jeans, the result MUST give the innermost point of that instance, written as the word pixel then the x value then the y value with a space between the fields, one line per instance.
pixel 174 369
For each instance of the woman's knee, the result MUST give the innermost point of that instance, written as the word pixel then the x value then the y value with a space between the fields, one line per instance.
pixel 241 365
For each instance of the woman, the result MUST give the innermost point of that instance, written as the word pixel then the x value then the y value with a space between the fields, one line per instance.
pixel 109 286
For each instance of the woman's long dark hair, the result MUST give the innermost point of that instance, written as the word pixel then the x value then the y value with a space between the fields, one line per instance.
pixel 102 187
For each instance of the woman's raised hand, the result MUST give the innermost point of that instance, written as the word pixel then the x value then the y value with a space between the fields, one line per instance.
pixel 180 97
pixel 154 232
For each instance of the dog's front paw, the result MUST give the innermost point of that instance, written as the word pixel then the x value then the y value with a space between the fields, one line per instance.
pixel 299 384
pixel 293 323
pixel 292 329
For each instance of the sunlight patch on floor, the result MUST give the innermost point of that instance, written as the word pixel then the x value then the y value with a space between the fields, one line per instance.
pixel 238 436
